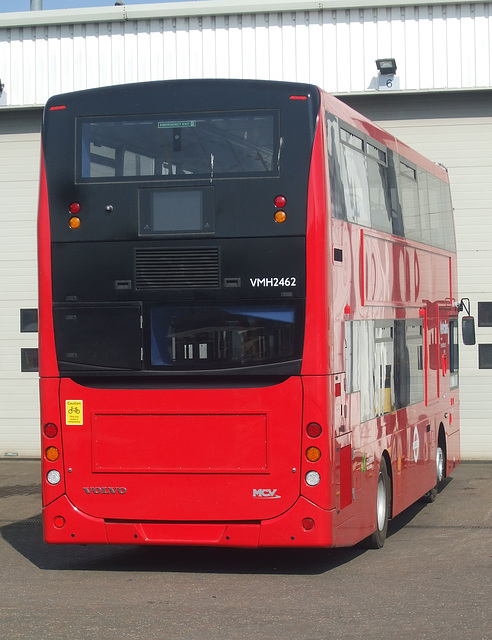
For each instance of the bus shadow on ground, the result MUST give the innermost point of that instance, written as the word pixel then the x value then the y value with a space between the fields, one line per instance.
pixel 26 537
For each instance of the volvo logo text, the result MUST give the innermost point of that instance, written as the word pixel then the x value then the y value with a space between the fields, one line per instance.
pixel 98 490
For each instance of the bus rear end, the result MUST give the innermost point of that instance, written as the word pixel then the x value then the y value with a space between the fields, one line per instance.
pixel 172 257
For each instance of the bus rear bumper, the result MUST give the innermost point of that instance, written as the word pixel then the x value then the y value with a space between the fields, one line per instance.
pixel 303 525
pixel 63 523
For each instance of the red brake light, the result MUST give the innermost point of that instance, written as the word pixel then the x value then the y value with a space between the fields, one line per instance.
pixel 50 430
pixel 74 207
pixel 308 524
pixel 314 430
pixel 280 201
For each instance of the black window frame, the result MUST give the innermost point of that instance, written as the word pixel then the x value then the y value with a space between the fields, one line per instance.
pixel 485 356
pixel 484 315
pixel 30 360
pixel 29 322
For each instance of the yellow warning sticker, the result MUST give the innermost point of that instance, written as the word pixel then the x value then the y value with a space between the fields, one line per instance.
pixel 74 412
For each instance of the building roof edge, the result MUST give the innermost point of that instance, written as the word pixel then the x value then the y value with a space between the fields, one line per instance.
pixel 188 9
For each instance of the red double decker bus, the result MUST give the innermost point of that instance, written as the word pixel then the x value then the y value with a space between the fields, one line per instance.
pixel 248 318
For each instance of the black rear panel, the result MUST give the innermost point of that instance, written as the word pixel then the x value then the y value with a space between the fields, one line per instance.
pixel 178 264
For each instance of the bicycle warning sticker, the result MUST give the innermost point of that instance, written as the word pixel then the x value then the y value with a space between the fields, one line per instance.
pixel 74 413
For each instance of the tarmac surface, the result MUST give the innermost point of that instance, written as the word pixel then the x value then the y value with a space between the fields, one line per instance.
pixel 432 579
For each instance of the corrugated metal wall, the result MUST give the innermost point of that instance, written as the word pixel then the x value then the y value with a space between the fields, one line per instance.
pixel 435 46
pixel 19 175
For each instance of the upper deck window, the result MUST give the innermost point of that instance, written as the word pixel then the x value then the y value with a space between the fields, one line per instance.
pixel 211 145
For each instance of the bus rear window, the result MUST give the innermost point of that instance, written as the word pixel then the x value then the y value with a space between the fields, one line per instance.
pixel 211 145
pixel 222 336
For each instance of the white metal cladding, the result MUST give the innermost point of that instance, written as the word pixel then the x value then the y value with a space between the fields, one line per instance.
pixel 19 175
pixel 436 46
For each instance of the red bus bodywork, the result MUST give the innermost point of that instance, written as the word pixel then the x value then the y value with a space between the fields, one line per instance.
pixel 225 464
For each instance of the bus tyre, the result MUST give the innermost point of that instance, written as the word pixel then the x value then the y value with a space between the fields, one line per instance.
pixel 383 502
pixel 431 495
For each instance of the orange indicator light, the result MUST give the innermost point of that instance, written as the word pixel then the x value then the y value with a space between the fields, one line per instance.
pixel 280 216
pixel 74 222
pixel 313 454
pixel 52 454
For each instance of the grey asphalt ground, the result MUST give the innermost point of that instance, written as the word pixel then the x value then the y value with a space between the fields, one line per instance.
pixel 432 579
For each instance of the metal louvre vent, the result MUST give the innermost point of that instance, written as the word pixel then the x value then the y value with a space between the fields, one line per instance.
pixel 177 268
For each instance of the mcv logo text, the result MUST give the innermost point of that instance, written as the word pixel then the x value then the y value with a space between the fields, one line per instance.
pixel 98 490
pixel 265 493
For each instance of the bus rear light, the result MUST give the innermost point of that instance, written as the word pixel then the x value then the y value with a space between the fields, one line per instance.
pixel 53 477
pixel 74 208
pixel 314 430
pixel 59 522
pixel 313 454
pixel 280 216
pixel 50 430
pixel 280 202
pixel 308 524
pixel 338 389
pixel 312 478
pixel 74 222
pixel 52 454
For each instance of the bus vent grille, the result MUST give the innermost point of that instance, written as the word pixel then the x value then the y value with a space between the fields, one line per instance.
pixel 177 268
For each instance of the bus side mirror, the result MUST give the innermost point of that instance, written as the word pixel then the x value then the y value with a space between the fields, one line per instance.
pixel 468 330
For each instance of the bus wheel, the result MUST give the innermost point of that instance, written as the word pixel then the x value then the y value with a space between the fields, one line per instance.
pixel 383 502
pixel 431 495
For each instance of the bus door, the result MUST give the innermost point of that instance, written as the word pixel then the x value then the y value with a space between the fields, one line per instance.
pixel 448 352
pixel 444 345
pixel 343 443
pixel 439 353
pixel 432 352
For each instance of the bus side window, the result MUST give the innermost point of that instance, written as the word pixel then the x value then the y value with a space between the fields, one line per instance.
pixel 377 173
pixel 337 194
pixel 355 184
pixel 409 198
